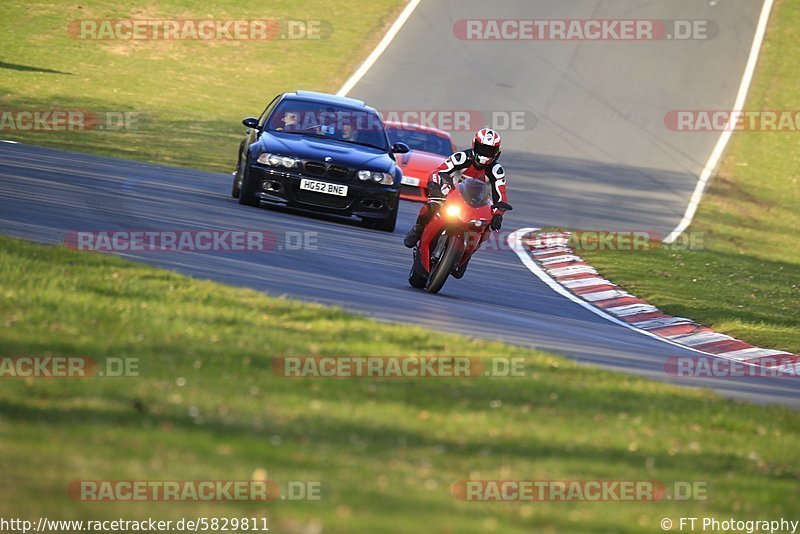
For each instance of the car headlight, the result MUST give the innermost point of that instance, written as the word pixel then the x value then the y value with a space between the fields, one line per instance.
pixel 274 160
pixel 453 210
pixel 383 178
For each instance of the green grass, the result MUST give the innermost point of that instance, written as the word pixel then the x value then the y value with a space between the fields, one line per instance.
pixel 207 406
pixel 747 280
pixel 190 95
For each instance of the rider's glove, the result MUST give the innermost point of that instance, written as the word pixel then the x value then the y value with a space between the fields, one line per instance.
pixel 435 190
pixel 497 222
pixel 446 183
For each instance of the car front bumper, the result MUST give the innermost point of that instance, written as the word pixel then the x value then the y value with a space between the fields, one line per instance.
pixel 364 200
pixel 412 189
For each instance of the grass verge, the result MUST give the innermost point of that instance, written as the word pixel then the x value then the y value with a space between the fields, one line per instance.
pixel 746 280
pixel 189 96
pixel 207 406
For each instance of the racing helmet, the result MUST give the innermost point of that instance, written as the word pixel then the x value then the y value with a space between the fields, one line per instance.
pixel 486 146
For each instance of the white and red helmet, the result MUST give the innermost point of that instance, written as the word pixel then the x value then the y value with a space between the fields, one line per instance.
pixel 486 146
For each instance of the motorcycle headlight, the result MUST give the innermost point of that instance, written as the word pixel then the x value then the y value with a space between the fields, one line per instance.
pixel 383 178
pixel 453 210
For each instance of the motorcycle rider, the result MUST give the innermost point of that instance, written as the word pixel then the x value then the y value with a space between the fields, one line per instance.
pixel 479 162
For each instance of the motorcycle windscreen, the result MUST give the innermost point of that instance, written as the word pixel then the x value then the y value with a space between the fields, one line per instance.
pixel 476 193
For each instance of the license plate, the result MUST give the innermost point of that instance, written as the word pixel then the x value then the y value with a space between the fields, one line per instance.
pixel 323 187
pixel 407 180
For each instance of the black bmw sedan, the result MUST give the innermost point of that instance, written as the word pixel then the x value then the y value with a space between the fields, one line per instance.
pixel 323 153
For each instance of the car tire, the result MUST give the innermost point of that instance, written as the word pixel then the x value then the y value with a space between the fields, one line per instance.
pixel 388 224
pixel 247 194
pixel 235 187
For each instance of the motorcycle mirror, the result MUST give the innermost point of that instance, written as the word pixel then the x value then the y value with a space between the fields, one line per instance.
pixel 502 206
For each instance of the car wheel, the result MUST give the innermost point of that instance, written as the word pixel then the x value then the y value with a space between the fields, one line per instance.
pixel 388 224
pixel 247 194
pixel 235 187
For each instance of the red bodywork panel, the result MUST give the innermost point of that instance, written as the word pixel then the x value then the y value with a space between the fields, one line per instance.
pixel 474 236
pixel 419 164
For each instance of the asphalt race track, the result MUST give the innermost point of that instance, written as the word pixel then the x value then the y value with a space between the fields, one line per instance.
pixel 46 193
pixel 599 154
pixel 598 157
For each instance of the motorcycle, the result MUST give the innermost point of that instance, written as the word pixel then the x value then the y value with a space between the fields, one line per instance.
pixel 454 234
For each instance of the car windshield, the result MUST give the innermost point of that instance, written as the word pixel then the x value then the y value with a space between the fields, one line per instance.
pixel 314 119
pixel 420 140
pixel 476 193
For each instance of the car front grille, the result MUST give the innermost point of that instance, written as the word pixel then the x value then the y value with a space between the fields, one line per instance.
pixel 334 172
pixel 315 168
pixel 338 173
pixel 320 199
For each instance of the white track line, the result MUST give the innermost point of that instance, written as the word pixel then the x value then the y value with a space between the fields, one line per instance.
pixel 722 142
pixel 383 45
pixel 515 242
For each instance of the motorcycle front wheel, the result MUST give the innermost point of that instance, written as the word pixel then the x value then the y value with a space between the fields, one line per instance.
pixel 441 271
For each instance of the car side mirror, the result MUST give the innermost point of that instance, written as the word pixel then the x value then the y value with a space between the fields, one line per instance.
pixel 251 122
pixel 502 206
pixel 400 148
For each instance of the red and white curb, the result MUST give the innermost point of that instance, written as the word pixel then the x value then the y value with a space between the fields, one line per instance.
pixel 548 256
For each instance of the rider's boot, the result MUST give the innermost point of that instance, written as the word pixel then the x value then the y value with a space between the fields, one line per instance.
pixel 412 237
pixel 458 273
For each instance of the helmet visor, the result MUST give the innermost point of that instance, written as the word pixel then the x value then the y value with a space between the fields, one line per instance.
pixel 486 151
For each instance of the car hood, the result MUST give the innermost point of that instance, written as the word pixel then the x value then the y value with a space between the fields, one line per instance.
pixel 419 164
pixel 312 148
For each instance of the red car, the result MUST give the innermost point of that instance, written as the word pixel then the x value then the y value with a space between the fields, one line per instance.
pixel 429 148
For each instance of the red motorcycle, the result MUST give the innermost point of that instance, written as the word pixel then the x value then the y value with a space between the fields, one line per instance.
pixel 453 235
